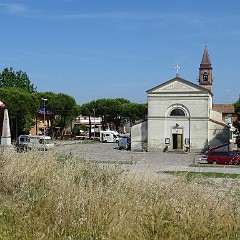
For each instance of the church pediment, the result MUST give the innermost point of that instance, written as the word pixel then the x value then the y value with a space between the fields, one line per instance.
pixel 177 85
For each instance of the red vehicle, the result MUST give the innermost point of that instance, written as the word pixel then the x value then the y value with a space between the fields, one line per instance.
pixel 223 157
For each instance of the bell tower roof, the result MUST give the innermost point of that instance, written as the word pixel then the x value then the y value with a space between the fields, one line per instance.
pixel 205 71
pixel 206 63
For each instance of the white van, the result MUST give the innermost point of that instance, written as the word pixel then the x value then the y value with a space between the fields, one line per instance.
pixel 109 136
pixel 40 142
pixel 23 139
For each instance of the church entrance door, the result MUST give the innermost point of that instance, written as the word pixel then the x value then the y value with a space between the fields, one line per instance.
pixel 177 141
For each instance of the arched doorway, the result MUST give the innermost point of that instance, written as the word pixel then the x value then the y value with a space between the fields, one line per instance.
pixel 177 133
pixel 177 127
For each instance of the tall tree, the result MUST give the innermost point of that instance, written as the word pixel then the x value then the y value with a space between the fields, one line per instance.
pixel 237 111
pixel 114 110
pixel 133 111
pixel 18 93
pixel 88 109
pixel 19 79
pixel 22 107
pixel 62 107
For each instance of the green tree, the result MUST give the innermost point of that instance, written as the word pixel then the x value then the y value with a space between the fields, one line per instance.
pixel 237 108
pixel 113 111
pixel 77 129
pixel 22 107
pixel 88 109
pixel 62 107
pixel 236 124
pixel 19 79
pixel 133 111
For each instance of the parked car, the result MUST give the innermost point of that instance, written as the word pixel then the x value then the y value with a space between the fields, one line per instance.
pixel 223 157
pixel 109 136
pixel 40 142
pixel 124 142
pixel 28 142
pixel 237 151
pixel 22 142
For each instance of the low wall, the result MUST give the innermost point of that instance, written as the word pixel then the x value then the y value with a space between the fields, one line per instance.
pixel 139 137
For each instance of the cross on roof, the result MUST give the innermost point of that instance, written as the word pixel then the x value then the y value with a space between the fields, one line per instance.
pixel 177 70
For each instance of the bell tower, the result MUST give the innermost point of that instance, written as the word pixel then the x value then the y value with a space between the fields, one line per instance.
pixel 205 71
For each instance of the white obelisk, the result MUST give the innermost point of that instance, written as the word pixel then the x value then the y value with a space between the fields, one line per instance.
pixel 6 134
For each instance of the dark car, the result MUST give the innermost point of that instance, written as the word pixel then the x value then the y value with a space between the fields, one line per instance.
pixel 223 157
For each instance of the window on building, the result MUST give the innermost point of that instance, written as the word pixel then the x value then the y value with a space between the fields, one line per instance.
pixel 205 77
pixel 229 118
pixel 177 112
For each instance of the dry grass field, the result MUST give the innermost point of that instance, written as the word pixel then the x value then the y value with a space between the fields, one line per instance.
pixel 44 195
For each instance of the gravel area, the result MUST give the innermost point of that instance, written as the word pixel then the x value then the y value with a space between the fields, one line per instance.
pixel 151 162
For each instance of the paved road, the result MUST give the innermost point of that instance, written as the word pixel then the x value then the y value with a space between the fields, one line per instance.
pixel 107 153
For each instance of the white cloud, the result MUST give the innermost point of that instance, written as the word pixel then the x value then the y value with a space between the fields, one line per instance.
pixel 14 7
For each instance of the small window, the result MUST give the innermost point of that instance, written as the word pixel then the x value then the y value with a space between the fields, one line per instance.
pixel 229 118
pixel 177 112
pixel 220 153
pixel 205 77
pixel 232 154
pixel 215 153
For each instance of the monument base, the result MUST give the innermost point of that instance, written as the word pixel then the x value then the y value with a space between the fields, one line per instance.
pixel 5 141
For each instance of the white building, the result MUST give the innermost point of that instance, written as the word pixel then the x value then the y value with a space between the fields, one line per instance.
pixel 95 122
pixel 180 116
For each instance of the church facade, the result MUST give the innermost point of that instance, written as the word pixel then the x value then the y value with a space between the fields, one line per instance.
pixel 181 116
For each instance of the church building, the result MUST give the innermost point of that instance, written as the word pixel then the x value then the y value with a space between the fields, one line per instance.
pixel 181 116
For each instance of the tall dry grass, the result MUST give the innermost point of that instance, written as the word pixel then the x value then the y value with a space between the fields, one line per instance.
pixel 46 196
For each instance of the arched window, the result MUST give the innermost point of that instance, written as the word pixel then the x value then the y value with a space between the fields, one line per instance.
pixel 177 112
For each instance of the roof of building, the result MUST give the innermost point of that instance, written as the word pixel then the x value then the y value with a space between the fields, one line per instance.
pixel 224 108
pixel 206 63
pixel 177 78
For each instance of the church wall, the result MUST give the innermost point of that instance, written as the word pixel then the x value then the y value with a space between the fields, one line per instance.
pixel 217 116
pixel 218 134
pixel 156 134
pixel 198 107
pixel 199 135
pixel 139 137
pixel 160 125
pixel 175 125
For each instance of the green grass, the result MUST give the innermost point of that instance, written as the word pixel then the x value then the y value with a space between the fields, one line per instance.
pixel 191 175
pixel 88 141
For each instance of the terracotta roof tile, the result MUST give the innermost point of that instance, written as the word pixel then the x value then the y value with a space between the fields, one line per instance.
pixel 224 108
pixel 206 63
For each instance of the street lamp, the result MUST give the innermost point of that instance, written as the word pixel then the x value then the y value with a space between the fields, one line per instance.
pixel 94 123
pixel 44 119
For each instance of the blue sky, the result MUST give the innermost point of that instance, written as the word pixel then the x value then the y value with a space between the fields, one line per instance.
pixel 91 49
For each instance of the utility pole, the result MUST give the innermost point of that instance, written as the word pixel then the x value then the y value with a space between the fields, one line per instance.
pixel 44 119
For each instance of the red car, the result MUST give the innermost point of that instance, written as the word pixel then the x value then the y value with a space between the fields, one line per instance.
pixel 223 157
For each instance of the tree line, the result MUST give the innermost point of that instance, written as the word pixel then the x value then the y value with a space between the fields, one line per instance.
pixel 24 103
